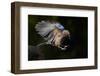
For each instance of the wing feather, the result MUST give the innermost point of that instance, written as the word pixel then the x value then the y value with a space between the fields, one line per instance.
pixel 44 27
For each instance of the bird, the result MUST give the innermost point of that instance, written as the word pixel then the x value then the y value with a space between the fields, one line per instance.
pixel 53 33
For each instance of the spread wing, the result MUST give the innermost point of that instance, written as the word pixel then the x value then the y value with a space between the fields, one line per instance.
pixel 44 28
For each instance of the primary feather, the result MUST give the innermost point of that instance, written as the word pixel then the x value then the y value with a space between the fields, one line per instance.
pixel 44 28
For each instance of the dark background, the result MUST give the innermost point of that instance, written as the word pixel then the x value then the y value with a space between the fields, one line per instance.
pixel 79 34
